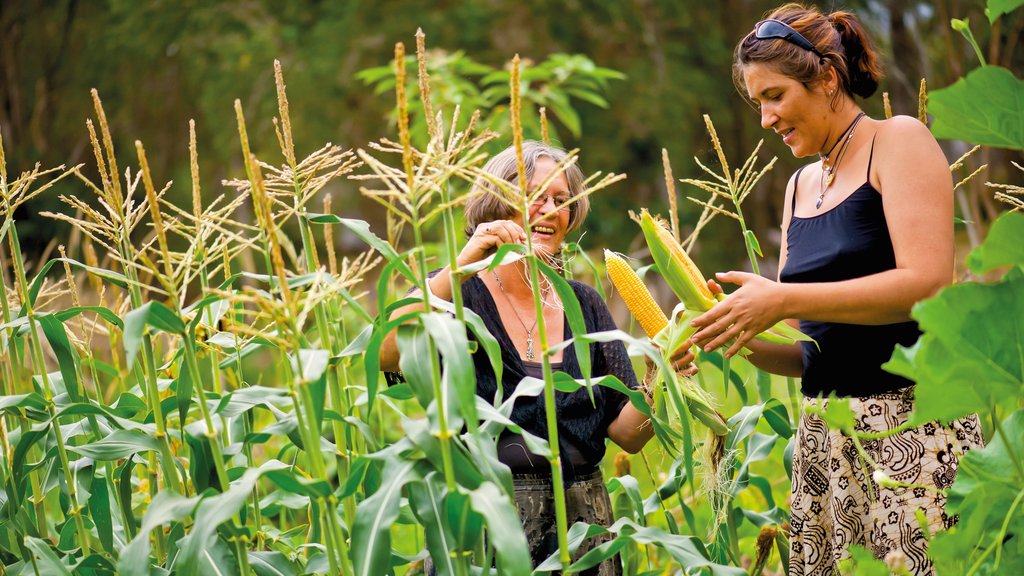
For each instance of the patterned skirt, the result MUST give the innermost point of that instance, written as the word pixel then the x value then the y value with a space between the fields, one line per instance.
pixel 586 500
pixel 836 503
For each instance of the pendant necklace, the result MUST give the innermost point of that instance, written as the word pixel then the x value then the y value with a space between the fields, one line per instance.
pixel 529 331
pixel 829 170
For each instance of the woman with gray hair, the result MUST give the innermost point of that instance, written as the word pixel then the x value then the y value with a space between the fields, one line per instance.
pixel 503 298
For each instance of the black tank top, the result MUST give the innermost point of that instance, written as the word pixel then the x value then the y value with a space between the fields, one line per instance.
pixel 849 241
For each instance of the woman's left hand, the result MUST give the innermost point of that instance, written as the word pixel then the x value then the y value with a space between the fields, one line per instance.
pixel 750 310
pixel 682 361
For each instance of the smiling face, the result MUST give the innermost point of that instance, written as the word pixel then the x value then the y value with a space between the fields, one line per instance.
pixel 798 113
pixel 548 222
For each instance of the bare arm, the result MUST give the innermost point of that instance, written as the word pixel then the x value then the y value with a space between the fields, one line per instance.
pixel 917 199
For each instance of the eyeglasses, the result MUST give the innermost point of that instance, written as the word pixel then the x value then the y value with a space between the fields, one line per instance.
pixel 768 29
pixel 559 201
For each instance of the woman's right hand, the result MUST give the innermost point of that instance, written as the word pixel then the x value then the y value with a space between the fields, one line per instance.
pixel 487 237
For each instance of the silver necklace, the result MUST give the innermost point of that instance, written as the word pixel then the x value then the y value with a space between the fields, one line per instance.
pixel 829 170
pixel 529 331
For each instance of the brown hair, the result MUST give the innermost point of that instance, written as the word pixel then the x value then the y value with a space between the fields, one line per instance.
pixel 483 204
pixel 839 36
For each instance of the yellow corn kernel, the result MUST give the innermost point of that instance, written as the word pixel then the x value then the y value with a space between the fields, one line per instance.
pixel 636 296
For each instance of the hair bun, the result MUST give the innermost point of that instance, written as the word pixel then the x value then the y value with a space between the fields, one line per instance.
pixel 861 57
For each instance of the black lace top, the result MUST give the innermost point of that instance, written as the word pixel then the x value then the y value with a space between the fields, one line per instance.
pixel 580 423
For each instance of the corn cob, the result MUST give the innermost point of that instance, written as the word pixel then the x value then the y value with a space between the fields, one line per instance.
pixel 685 279
pixel 636 296
pixel 681 274
pixel 641 304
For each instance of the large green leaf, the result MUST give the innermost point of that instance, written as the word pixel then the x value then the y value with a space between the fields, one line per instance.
pixel 152 314
pixel 996 8
pixel 99 511
pixel 120 444
pixel 415 361
pixel 449 335
pixel 272 564
pixel 985 495
pixel 1003 245
pixel 119 280
pixel 167 506
pixel 67 357
pixel 427 500
pixel 213 511
pixel 985 107
pixel 503 521
pixel 371 532
pixel 45 559
pixel 971 356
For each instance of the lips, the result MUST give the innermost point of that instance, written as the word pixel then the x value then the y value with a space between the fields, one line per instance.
pixel 787 135
pixel 541 229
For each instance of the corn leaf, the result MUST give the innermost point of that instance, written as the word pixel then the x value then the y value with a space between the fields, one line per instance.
pixel 426 498
pixel 166 507
pixel 46 561
pixel 272 564
pixel 501 518
pixel 119 444
pixel 371 531
pixel 213 511
pixel 458 376
pixel 152 314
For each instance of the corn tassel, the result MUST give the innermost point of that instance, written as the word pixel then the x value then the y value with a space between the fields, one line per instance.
pixel 636 296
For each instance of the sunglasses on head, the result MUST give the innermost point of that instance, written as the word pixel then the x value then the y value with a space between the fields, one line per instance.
pixel 769 29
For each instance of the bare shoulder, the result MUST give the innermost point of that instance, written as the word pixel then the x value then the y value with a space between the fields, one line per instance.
pixel 899 131
pixel 902 142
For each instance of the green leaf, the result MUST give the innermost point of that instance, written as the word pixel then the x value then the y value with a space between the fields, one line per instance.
pixel 67 357
pixel 1003 245
pixel 986 495
pixel 99 510
pixel 984 107
pixel 862 562
pixel 119 280
pixel 272 564
pixel 415 361
pixel 371 531
pixel 629 488
pixel 46 561
pixel 573 314
pixel 427 500
pixel 166 507
pixel 152 314
pixel 459 374
pixel 501 518
pixel 119 444
pixel 997 8
pixel 973 344
pixel 214 511
pixel 752 242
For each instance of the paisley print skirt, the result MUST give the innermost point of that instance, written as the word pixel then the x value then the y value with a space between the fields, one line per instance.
pixel 836 503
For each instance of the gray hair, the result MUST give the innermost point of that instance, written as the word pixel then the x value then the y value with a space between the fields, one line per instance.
pixel 483 204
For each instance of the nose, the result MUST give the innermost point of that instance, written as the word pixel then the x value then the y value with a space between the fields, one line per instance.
pixel 768 118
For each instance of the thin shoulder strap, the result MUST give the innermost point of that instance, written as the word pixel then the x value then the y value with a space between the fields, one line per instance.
pixel 796 182
pixel 871 156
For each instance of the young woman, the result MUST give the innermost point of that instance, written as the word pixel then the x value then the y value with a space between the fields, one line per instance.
pixel 504 300
pixel 868 231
